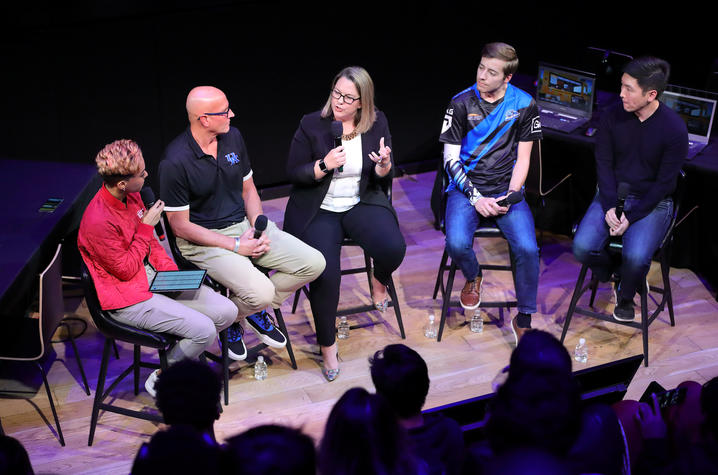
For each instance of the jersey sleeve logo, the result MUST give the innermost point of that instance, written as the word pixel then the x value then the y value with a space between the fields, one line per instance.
pixel 536 125
pixel 448 120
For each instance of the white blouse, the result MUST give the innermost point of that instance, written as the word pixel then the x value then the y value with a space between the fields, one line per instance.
pixel 343 192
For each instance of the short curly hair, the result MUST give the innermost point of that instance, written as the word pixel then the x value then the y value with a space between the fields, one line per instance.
pixel 118 160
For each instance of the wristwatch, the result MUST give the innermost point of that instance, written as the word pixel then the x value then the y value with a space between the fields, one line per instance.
pixel 323 166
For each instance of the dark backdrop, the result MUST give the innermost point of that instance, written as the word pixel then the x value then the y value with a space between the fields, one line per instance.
pixel 77 77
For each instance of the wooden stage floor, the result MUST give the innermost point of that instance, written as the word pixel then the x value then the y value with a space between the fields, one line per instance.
pixel 462 365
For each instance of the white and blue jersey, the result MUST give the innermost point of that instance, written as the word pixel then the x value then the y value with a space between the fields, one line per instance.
pixel 489 134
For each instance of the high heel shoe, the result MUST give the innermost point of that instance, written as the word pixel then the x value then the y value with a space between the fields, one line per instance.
pixel 384 303
pixel 330 374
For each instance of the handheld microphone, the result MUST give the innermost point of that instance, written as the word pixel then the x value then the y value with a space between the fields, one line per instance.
pixel 511 199
pixel 622 192
pixel 260 224
pixel 337 132
pixel 148 199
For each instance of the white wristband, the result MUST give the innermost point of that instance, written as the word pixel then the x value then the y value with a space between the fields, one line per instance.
pixel 236 245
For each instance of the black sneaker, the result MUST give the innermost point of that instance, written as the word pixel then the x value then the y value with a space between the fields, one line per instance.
pixel 263 326
pixel 236 348
pixel 624 310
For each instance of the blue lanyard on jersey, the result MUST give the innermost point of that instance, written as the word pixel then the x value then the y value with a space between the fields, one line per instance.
pixel 484 129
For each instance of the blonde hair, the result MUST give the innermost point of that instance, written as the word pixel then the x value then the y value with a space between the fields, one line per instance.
pixel 366 116
pixel 503 52
pixel 119 160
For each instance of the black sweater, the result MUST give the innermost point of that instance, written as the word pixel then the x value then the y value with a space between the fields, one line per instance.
pixel 647 155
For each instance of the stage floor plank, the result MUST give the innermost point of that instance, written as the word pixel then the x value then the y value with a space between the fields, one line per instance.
pixel 462 365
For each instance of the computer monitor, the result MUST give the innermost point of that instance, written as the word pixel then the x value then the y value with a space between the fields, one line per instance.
pixel 565 90
pixel 697 112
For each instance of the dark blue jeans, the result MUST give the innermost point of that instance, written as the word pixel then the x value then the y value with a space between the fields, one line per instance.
pixel 640 242
pixel 517 225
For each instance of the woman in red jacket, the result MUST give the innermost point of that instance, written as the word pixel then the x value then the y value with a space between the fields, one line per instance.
pixel 117 243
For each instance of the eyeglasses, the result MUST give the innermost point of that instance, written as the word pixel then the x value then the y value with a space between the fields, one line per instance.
pixel 225 113
pixel 347 99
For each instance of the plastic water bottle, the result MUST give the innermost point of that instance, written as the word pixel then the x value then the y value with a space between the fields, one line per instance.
pixel 430 328
pixel 477 323
pixel 580 354
pixel 260 369
pixel 343 329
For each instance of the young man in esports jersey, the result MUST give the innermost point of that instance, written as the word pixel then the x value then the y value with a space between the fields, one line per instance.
pixel 488 133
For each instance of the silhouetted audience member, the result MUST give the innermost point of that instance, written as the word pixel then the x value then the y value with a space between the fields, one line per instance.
pixel 402 377
pixel 189 393
pixel 179 449
pixel 527 461
pixel 538 406
pixel 270 450
pixel 363 436
pixel 13 457
pixel 600 446
pixel 662 451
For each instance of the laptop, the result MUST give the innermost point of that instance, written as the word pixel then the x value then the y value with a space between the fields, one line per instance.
pixel 564 97
pixel 698 112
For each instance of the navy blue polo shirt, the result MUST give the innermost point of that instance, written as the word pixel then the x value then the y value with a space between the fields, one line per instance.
pixel 211 189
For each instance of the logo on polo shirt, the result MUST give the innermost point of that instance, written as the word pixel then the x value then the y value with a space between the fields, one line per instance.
pixel 232 158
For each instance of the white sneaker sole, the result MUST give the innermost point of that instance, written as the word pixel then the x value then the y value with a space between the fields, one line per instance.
pixel 266 340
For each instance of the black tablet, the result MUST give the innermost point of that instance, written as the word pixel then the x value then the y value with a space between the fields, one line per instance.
pixel 175 280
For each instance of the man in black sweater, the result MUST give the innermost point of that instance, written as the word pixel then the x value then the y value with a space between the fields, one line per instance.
pixel 640 148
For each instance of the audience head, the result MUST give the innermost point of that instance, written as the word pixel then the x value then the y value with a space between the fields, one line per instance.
pixel 540 351
pixel 121 161
pixel 363 435
pixel 539 405
pixel 13 457
pixel 271 450
pixel 401 376
pixel 709 407
pixel 179 449
pixel 188 392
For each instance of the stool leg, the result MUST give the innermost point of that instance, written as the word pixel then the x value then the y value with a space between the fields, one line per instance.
pixel 100 389
pixel 283 328
pixel 447 299
pixel 52 404
pixel 136 369
pixel 644 325
pixel 574 300
pixel 225 364
pixel 668 293
pixel 440 275
pixel 594 288
pixel 77 357
pixel 397 310
pixel 296 300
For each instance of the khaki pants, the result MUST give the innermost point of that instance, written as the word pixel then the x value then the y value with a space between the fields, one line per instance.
pixel 295 264
pixel 194 315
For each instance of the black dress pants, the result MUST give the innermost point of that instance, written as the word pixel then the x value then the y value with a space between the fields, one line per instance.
pixel 372 227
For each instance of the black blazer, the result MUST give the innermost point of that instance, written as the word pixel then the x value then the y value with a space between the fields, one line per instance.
pixel 312 141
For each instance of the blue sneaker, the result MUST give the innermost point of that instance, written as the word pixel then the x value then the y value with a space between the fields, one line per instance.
pixel 265 329
pixel 235 344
